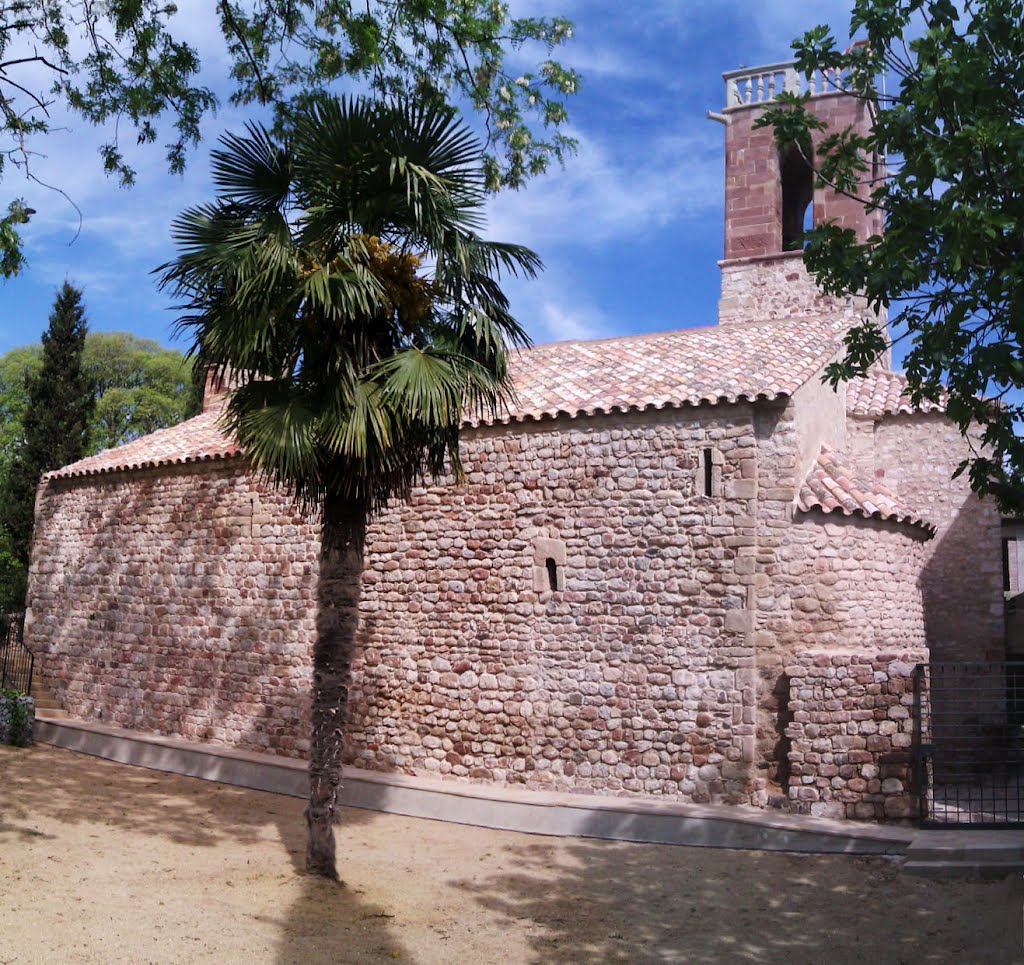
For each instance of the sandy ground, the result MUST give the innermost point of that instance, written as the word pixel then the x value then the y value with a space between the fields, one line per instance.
pixel 102 862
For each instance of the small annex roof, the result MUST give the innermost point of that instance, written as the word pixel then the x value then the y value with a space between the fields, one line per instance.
pixel 882 393
pixel 744 362
pixel 832 488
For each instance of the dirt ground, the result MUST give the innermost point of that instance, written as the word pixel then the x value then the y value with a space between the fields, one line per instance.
pixel 101 862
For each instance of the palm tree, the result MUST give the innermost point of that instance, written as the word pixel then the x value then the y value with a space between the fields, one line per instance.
pixel 340 276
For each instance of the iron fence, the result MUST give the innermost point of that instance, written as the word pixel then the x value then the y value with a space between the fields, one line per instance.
pixel 16 661
pixel 970 743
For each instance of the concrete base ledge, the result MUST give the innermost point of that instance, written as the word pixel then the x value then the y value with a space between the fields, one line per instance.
pixel 966 852
pixel 504 808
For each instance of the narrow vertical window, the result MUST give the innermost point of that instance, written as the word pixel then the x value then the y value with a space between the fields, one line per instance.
pixel 552 568
pixel 548 558
pixel 709 472
pixel 797 195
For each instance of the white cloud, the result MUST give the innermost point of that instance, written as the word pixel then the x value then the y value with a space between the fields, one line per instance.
pixel 776 22
pixel 600 61
pixel 555 307
pixel 559 322
pixel 780 21
pixel 604 194
pixel 94 282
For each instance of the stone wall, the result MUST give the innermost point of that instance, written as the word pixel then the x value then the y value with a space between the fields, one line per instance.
pixel 962 577
pixel 841 582
pixel 634 677
pixel 819 415
pixel 179 600
pixel 577 614
pixel 182 600
pixel 848 582
pixel 852 733
pixel 776 287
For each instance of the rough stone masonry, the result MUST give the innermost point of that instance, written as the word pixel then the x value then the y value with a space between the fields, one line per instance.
pixel 679 565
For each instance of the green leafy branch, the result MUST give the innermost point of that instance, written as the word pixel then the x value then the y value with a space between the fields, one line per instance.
pixel 944 86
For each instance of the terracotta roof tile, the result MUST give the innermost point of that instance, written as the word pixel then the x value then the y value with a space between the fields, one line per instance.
pixel 831 487
pixel 883 393
pixel 690 366
pixel 195 440
pixel 669 369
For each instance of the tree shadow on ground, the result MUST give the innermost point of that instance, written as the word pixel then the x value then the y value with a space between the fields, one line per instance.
pixel 328 921
pixel 89 789
pixel 537 899
pixel 590 902
pixel 333 921
pixel 42 783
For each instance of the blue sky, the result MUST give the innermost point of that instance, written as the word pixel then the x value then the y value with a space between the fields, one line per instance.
pixel 630 231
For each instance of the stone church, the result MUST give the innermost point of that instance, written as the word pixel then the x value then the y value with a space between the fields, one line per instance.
pixel 680 565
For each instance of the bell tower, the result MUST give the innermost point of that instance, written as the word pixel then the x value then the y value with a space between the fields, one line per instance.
pixel 771 198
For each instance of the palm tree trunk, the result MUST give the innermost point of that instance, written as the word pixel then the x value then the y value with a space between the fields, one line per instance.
pixel 342 540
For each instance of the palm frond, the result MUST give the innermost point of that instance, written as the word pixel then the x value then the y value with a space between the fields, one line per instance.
pixel 346 279
pixel 362 427
pixel 278 427
pixel 253 171
pixel 495 257
pixel 423 385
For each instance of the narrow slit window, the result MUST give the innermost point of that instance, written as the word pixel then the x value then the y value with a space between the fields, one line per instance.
pixel 552 568
pixel 547 562
pixel 709 472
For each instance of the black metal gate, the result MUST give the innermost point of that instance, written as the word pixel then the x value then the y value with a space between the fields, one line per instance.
pixel 970 744
pixel 16 660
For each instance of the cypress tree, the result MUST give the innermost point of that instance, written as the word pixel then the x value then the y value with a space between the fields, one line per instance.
pixel 56 424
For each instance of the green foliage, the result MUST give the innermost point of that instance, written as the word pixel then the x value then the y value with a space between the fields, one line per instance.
pixel 16 367
pixel 122 62
pixel 12 257
pixel 13 576
pixel 435 51
pixel 55 420
pixel 948 267
pixel 139 387
pixel 307 276
pixel 17 733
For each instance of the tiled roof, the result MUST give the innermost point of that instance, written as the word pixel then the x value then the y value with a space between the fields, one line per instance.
pixel 669 369
pixel 728 363
pixel 831 487
pixel 195 440
pixel 883 393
